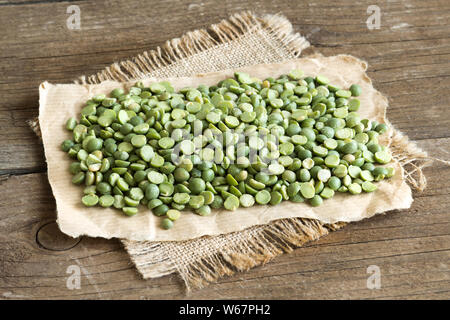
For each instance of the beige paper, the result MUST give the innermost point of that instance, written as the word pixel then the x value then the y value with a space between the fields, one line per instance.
pixel 61 101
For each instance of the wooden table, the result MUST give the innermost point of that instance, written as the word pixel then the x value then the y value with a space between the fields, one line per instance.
pixel 409 61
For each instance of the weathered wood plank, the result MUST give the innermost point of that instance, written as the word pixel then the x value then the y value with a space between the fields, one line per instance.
pixel 408 61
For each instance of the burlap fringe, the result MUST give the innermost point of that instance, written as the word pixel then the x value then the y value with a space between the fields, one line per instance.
pixel 34 125
pixel 142 252
pixel 412 159
pixel 279 237
pixel 261 245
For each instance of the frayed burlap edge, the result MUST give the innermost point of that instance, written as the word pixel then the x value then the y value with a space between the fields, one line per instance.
pixel 412 159
pixel 258 245
pixel 262 243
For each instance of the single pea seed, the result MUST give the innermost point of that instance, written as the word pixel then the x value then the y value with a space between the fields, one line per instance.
pixel 354 188
pixel 231 203
pixel 316 201
pixel 263 197
pixel 196 201
pixel 204 210
pixel 275 198
pixel 106 201
pixel 90 200
pixel 247 200
pixel 166 224
pixel 130 211
pixel 355 89
pixel 173 214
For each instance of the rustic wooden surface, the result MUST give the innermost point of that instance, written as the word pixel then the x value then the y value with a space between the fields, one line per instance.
pixel 409 58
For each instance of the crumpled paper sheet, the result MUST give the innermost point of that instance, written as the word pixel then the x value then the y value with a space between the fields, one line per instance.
pixel 58 102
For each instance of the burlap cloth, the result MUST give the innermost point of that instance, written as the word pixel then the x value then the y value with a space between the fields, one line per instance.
pixel 242 40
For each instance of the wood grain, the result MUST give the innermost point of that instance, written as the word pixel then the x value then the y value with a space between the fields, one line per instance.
pixel 408 61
